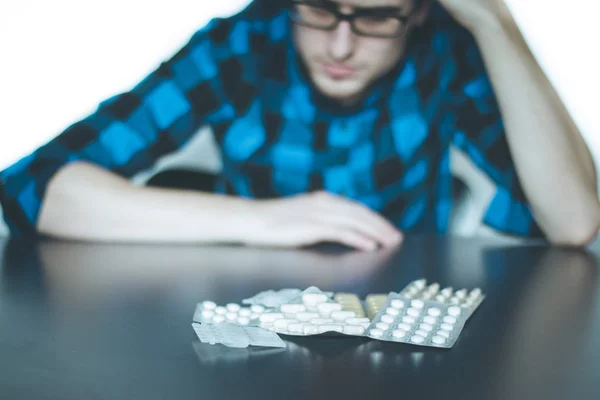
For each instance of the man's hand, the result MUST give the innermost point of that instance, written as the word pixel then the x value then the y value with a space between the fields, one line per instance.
pixel 319 217
pixel 474 13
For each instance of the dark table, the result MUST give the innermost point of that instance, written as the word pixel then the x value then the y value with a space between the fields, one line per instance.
pixel 100 321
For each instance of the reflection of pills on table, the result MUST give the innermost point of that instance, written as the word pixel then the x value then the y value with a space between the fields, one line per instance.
pixel 417 303
pixel 446 327
pixel 413 312
pixel 376 332
pixel 399 333
pixel 426 327
pixel 429 319
pixel 209 305
pixel 408 319
pixel 434 312
pixel 445 334
pixel 397 303
pixel 417 339
pixel 388 319
pixel 383 326
pixel 221 310
pixel 454 311
pixel 438 340
pixel 404 326
pixel 392 311
pixel 449 319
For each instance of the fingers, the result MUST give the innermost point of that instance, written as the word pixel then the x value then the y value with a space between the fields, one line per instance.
pixel 345 212
pixel 348 237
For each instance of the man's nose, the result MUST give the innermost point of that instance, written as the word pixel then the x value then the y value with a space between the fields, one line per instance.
pixel 341 42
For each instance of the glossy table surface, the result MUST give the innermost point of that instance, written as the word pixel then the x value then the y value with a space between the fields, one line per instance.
pixel 103 321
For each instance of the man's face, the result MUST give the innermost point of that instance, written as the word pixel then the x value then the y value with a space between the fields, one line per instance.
pixel 343 64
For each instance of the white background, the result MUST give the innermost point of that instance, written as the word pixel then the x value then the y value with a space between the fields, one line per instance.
pixel 60 58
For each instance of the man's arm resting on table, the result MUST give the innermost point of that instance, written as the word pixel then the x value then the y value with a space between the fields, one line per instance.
pixel 86 202
pixel 552 159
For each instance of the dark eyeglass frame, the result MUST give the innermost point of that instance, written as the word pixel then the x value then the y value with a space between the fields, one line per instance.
pixel 339 17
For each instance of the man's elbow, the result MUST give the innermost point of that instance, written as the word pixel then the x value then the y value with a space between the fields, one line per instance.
pixel 579 235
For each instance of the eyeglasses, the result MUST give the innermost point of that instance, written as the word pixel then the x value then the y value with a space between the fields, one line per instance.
pixel 373 22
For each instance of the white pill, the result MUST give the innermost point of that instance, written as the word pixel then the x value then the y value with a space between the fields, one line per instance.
pixel 392 311
pixel 434 312
pixel 364 324
pixel 454 311
pixel 327 308
pixel 397 303
pixel 417 303
pixel 231 316
pixel 342 315
pixel 412 291
pixel 243 320
pixel 438 340
pixel 455 300
pixel 232 307
pixel 388 319
pixel 320 321
pixel 217 319
pixel 257 309
pixel 310 329
pixel 207 314
pixel 447 292
pixel 209 305
pixel 433 288
pixel 245 312
pixel 312 299
pixel 354 330
pixel 420 283
pixel 254 316
pixel 417 339
pixel 408 319
pixel 376 332
pixel 405 327
pixel 306 316
pixel 357 321
pixel 445 334
pixel 292 308
pixel 413 312
pixel 426 327
pixel 440 298
pixel 383 326
pixel 399 333
pixel 449 319
pixel 408 295
pixel 331 328
pixel 447 327
pixel 221 310
pixel 475 293
pixel 283 323
pixel 422 333
pixel 426 296
pixel 296 327
pixel 270 317
pixel 429 319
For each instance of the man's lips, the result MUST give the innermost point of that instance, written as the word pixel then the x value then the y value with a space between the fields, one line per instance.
pixel 338 71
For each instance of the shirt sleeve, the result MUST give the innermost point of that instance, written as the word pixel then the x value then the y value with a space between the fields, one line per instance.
pixel 472 122
pixel 201 84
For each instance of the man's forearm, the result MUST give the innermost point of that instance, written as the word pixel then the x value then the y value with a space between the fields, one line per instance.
pixel 552 159
pixel 84 202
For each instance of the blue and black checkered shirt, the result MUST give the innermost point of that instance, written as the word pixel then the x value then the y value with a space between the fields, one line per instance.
pixel 279 137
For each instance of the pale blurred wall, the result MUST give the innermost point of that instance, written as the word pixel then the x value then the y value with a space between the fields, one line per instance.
pixel 59 58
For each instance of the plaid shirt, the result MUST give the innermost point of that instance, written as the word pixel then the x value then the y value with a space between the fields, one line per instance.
pixel 279 137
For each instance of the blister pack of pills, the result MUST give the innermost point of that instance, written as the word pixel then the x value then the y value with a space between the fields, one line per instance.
pixel 237 336
pixel 413 317
pixel 315 313
pixel 208 312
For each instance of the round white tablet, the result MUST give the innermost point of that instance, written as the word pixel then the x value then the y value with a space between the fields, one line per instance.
pixel 434 312
pixel 257 309
pixel 408 319
pixel 397 303
pixel 399 333
pixel 232 307
pixel 376 332
pixel 417 339
pixel 392 311
pixel 454 311
pixel 429 319
pixel 413 312
pixel 388 319
pixel 417 303
pixel 209 305
pixel 383 326
pixel 449 319
pixel 438 340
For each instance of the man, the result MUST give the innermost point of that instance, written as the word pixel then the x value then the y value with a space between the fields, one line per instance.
pixel 335 120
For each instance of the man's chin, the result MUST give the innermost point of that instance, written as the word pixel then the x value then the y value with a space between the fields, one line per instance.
pixel 339 90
